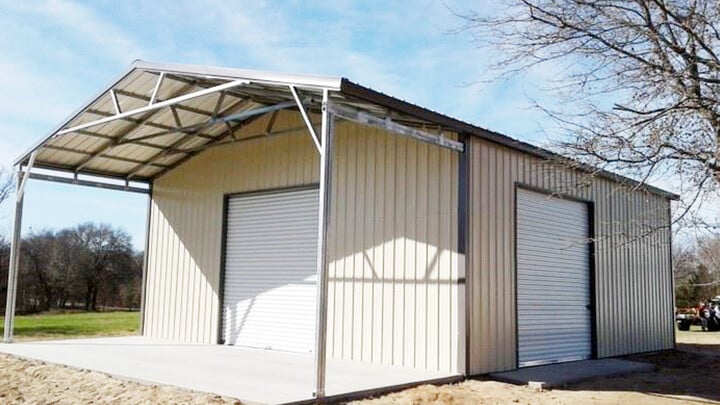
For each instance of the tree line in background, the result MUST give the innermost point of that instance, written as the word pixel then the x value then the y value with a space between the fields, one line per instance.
pixel 697 272
pixel 86 267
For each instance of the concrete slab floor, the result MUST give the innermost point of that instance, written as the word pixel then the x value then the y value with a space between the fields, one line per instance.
pixel 251 375
pixel 558 375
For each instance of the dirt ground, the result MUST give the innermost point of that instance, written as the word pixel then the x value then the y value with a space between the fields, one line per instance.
pixel 675 381
pixel 34 382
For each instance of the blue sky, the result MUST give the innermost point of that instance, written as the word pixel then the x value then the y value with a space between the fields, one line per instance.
pixel 57 54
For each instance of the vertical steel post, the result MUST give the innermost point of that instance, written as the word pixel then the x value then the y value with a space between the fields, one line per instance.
pixel 146 257
pixel 322 261
pixel 14 260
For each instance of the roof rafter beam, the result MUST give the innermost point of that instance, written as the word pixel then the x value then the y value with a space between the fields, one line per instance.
pixel 184 129
pixel 141 97
pixel 241 116
pixel 389 125
pixel 140 140
pixel 98 184
pixel 154 107
pixel 134 141
pixel 104 156
pixel 213 121
pixel 168 129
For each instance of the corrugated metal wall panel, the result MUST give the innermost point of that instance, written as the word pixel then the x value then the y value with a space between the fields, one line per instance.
pixel 631 273
pixel 394 264
pixel 186 225
pixel 394 268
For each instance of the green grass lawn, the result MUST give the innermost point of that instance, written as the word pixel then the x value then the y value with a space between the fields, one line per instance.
pixel 74 324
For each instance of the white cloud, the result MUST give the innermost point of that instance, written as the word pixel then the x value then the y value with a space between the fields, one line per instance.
pixel 89 28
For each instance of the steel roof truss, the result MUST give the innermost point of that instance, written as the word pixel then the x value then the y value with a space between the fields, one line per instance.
pixel 135 141
pixel 21 186
pixel 219 104
pixel 156 89
pixel 154 107
pixel 306 118
pixel 241 116
pixel 391 126
pixel 176 118
pixel 187 108
pixel 167 130
pixel 104 156
pixel 149 114
pixel 88 183
pixel 114 99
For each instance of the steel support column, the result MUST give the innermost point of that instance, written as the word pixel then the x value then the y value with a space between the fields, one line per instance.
pixel 146 257
pixel 326 148
pixel 14 260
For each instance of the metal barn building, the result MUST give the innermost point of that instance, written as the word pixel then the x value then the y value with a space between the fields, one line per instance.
pixel 314 215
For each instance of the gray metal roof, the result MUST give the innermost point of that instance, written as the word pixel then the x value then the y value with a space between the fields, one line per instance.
pixel 141 138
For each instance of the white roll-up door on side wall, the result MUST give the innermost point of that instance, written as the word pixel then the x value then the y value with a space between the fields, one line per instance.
pixel 270 270
pixel 553 280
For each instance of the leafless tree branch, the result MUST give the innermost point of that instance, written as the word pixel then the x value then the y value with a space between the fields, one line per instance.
pixel 6 185
pixel 640 84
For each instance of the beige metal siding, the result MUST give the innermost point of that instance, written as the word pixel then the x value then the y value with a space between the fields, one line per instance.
pixel 183 278
pixel 394 296
pixel 633 286
pixel 393 290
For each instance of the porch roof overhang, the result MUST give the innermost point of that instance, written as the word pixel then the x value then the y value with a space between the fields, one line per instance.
pixel 155 116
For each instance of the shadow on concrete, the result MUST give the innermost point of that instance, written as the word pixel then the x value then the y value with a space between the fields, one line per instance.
pixel 678 374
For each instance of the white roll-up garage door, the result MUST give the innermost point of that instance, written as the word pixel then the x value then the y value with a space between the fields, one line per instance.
pixel 554 315
pixel 270 270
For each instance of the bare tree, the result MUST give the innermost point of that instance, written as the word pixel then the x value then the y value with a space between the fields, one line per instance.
pixel 640 82
pixel 4 259
pixel 101 260
pixel 38 251
pixel 6 185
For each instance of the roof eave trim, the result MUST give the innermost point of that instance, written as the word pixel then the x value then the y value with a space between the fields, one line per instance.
pixel 311 81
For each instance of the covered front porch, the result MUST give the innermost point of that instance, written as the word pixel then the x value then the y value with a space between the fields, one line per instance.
pixel 191 138
pixel 251 375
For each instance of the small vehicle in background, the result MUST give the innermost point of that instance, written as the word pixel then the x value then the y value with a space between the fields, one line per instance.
pixel 685 317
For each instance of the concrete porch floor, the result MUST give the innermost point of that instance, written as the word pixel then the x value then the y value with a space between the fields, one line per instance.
pixel 251 375
pixel 560 374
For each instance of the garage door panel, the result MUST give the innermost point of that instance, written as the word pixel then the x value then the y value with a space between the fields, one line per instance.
pixel 553 279
pixel 550 239
pixel 270 271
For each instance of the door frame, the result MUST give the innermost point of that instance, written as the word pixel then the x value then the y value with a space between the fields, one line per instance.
pixel 592 252
pixel 223 241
